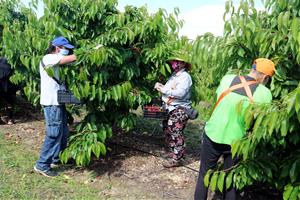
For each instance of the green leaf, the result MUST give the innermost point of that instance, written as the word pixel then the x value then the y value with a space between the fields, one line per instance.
pixel 163 70
pixel 283 128
pixel 82 75
pixel 272 122
pixel 229 180
pixel 295 28
pixel 282 4
pixel 103 148
pixel 280 20
pixel 119 91
pixel 100 94
pixel 220 183
pixel 297 104
pixel 291 103
pixel 87 89
pixel 207 177
pixel 294 171
pixel 114 93
pixel 124 90
pixel 93 92
pixel 76 92
pixel 108 132
pixel 96 150
pixel 235 147
pixel 257 123
pixel 213 181
pixel 241 52
pixel 102 134
pixel 245 148
pixel 79 160
pixel 285 171
pixel 287 192
pixel 294 194
pixel 286 18
pixel 253 172
pixel 64 156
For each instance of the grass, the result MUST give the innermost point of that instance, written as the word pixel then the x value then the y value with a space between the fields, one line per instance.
pixel 19 181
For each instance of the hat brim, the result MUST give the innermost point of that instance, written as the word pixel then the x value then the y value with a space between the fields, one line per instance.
pixel 69 46
pixel 187 64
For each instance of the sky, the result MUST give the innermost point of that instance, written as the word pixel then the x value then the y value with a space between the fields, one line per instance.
pixel 200 16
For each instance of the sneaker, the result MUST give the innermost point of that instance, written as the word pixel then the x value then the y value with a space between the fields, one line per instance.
pixel 10 122
pixel 49 173
pixel 54 165
pixel 169 163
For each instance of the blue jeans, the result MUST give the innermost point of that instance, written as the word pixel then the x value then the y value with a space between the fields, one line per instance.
pixel 56 136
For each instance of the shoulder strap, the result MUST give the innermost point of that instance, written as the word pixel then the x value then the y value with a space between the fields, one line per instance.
pixel 54 78
pixel 244 84
pixel 247 88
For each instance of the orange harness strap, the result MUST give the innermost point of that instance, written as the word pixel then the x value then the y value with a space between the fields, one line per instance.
pixel 244 84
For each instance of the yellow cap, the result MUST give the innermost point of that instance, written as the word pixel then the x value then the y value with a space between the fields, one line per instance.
pixel 265 66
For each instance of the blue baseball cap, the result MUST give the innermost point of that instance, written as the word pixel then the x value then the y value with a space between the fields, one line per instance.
pixel 62 41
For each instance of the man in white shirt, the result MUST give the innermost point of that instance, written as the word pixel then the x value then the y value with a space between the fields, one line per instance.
pixel 176 94
pixel 55 114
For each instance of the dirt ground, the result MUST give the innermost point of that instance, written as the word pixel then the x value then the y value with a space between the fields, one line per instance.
pixel 132 169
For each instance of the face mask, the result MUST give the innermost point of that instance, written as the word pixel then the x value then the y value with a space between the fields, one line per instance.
pixel 64 52
pixel 175 65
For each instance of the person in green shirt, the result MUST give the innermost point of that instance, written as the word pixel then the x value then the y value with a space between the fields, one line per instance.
pixel 227 123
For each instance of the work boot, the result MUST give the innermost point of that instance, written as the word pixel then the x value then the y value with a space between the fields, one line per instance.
pixel 169 163
pixel 166 156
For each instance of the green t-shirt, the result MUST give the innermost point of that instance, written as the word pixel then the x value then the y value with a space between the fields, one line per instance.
pixel 227 123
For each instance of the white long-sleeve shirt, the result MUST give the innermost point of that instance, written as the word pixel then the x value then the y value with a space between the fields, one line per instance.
pixel 178 89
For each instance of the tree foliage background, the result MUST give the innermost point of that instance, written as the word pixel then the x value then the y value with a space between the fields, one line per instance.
pixel 120 57
pixel 270 154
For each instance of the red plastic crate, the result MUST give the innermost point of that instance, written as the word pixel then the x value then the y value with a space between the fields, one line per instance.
pixel 154 111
